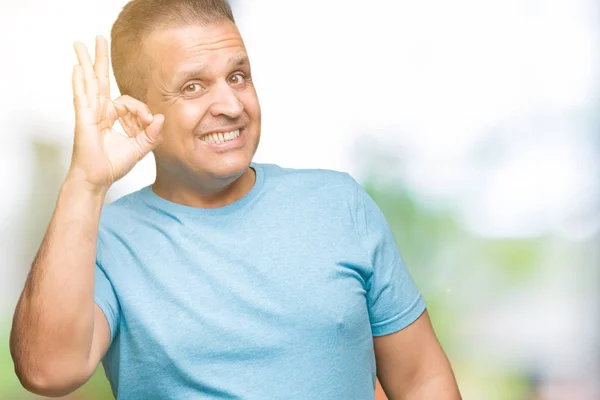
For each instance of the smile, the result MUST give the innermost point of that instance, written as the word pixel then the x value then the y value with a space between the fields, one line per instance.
pixel 221 137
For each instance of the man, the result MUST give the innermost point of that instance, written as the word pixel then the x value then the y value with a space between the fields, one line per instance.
pixel 225 278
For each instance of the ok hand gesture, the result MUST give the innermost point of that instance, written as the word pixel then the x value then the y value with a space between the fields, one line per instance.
pixel 101 155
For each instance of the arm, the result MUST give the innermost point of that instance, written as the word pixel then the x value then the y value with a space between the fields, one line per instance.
pixel 411 364
pixel 59 335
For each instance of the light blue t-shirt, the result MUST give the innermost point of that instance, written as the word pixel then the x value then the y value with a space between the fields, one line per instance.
pixel 276 296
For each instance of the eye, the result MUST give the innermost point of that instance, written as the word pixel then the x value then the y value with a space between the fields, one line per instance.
pixel 237 79
pixel 192 88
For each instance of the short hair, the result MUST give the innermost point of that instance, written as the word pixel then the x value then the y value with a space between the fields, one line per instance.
pixel 138 19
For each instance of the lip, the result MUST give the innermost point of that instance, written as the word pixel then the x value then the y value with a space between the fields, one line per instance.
pixel 239 141
pixel 222 130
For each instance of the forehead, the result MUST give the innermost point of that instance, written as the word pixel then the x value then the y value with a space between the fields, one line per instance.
pixel 207 47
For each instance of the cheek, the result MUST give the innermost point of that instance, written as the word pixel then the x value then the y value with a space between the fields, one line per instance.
pixel 251 104
pixel 182 118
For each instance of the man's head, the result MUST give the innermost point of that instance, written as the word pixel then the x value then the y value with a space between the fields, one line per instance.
pixel 186 60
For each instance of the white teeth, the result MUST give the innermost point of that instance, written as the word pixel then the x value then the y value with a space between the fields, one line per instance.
pixel 220 137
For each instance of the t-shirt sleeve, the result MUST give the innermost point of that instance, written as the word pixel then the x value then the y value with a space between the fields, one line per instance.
pixel 106 299
pixel 393 300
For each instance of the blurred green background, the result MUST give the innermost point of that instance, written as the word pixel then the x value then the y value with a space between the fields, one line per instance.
pixel 475 287
pixel 473 124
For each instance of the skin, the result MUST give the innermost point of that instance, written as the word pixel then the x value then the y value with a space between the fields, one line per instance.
pixel 201 82
pixel 411 364
pixel 59 336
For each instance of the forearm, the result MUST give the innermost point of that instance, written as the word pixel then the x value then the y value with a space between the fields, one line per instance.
pixel 54 320
pixel 441 386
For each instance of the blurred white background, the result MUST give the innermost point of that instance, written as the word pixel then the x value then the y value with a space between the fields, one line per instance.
pixel 488 109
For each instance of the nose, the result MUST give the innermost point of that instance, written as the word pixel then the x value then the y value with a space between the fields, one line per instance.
pixel 226 102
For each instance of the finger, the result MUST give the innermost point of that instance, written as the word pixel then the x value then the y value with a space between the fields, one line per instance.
pixel 101 67
pixel 124 117
pixel 132 125
pixel 154 129
pixel 133 115
pixel 79 97
pixel 150 138
pixel 127 104
pixel 88 71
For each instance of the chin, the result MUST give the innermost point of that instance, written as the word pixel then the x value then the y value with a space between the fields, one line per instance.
pixel 227 167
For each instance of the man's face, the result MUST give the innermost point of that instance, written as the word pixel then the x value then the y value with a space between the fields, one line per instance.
pixel 200 80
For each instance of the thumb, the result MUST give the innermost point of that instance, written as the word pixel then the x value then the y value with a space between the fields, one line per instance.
pixel 150 138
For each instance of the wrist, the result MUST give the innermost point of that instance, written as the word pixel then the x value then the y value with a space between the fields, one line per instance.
pixel 76 181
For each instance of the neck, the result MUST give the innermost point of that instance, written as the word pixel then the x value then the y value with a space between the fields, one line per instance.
pixel 203 193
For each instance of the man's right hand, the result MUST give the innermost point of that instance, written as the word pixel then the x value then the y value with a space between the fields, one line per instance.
pixel 59 335
pixel 102 155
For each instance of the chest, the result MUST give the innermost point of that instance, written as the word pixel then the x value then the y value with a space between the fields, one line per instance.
pixel 217 296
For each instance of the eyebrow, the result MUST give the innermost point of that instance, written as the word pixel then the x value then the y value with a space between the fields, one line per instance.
pixel 238 61
pixel 184 75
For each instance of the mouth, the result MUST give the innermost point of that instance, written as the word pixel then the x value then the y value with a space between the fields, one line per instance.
pixel 224 140
pixel 220 137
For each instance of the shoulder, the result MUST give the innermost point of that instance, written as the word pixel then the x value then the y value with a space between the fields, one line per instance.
pixel 316 181
pixel 121 213
pixel 332 195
